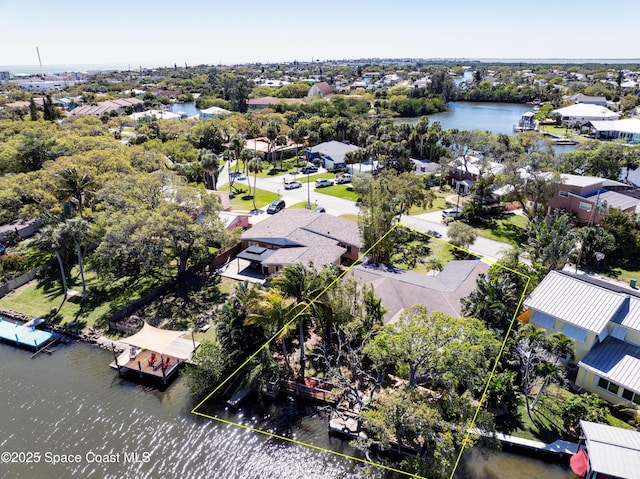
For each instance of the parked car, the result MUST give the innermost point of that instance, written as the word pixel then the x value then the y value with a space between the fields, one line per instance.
pixel 434 233
pixel 275 206
pixel 451 214
pixel 343 178
pixel 292 185
pixel 321 183
pixel 320 209
pixel 305 170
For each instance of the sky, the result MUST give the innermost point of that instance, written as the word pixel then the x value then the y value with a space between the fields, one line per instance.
pixel 162 32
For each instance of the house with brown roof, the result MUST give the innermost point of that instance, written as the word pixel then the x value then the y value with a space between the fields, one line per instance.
pixel 300 236
pixel 269 102
pixel 119 106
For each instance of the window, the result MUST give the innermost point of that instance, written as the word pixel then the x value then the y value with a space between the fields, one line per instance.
pixel 575 332
pixel 608 385
pixel 543 320
pixel 585 206
pixel 564 194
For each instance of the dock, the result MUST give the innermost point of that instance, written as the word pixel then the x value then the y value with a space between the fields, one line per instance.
pixel 238 396
pixel 148 364
pixel 558 448
pixel 25 336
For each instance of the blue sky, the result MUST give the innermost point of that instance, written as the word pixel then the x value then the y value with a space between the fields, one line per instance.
pixel 162 32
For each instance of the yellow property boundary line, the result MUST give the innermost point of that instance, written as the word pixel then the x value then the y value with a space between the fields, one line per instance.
pixel 329 451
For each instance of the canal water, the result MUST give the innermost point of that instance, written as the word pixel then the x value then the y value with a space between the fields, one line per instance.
pixel 71 403
pixel 189 108
pixel 465 115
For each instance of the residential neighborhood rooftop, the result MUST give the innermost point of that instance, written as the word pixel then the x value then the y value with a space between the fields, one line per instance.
pixel 612 451
pixel 616 361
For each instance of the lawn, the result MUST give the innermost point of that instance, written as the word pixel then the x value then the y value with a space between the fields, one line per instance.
pixel 301 205
pixel 562 131
pixel 339 191
pixel 439 250
pixel 37 298
pixel 545 423
pixel 311 178
pixel 268 170
pixel 438 203
pixel 350 217
pixel 508 228
pixel 244 201
pixel 177 308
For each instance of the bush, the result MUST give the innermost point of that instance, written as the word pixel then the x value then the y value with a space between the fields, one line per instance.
pixel 587 407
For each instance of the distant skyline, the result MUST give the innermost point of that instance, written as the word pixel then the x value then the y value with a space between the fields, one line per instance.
pixel 162 33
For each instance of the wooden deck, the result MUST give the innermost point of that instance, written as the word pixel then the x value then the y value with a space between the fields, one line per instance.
pixel 142 364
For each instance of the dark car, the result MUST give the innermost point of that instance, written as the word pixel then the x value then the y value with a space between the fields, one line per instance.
pixel 305 170
pixel 320 209
pixel 275 206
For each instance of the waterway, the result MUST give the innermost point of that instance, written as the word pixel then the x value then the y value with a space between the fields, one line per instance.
pixel 72 403
pixel 189 108
pixel 464 115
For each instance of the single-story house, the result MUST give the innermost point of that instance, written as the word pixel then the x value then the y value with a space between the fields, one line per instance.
pixel 588 100
pixel 295 236
pixel 213 112
pixel 399 289
pixel 603 319
pixel 330 153
pixel 119 106
pixel 582 113
pixel 157 114
pixel 628 129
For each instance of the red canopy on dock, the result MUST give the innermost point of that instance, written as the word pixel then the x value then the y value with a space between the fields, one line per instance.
pixel 580 463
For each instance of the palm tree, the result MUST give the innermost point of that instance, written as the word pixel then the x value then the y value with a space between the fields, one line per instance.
pixel 300 284
pixel 237 145
pixel 76 229
pixel 271 310
pixel 211 166
pixel 74 186
pixel 493 301
pixel 255 165
pixel 52 239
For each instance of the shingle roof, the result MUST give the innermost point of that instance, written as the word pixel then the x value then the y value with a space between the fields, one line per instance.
pixel 281 226
pixel 615 360
pixel 575 301
pixel 612 450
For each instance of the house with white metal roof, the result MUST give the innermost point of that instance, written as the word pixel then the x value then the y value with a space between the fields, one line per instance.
pixel 607 452
pixel 627 129
pixel 582 113
pixel 603 319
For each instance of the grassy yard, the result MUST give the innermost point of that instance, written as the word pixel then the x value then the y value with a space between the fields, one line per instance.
pixel 545 423
pixel 311 178
pixel 350 217
pixel 508 228
pixel 562 131
pixel 439 250
pixel 268 170
pixel 39 297
pixel 298 206
pixel 175 309
pixel 244 201
pixel 339 191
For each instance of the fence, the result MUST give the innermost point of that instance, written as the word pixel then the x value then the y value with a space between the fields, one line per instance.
pixel 14 283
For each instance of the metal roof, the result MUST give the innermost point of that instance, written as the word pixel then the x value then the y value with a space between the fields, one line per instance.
pixel 612 450
pixel 576 302
pixel 616 361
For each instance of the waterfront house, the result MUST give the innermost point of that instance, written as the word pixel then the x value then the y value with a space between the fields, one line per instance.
pixel 582 113
pixel 269 102
pixel 627 129
pixel 603 319
pixel 157 114
pixel 214 111
pixel 606 452
pixel 300 236
pixel 121 105
pixel 590 197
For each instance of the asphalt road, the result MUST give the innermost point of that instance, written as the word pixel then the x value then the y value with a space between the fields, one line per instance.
pixel 484 247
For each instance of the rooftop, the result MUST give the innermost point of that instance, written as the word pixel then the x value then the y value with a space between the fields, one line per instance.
pixel 575 301
pixel 628 125
pixel 615 360
pixel 613 451
pixel 587 110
